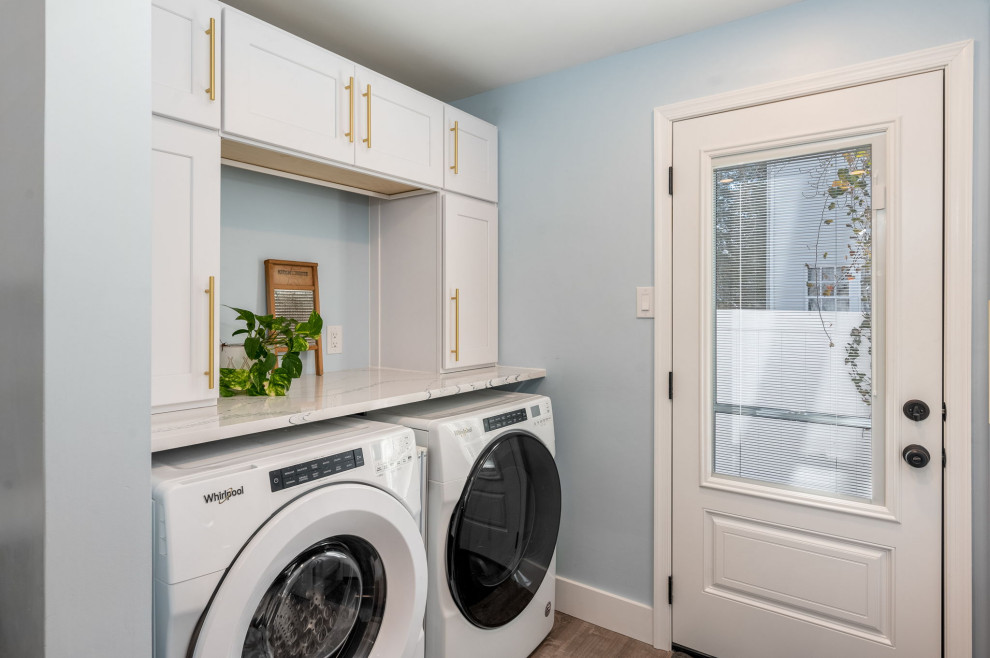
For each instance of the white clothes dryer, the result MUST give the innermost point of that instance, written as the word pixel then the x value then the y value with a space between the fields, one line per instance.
pixel 493 514
pixel 295 543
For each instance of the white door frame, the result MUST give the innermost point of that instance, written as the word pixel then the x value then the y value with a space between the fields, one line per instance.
pixel 956 60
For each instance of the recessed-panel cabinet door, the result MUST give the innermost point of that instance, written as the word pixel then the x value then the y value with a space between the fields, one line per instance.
pixel 401 130
pixel 470 273
pixel 284 91
pixel 185 260
pixel 472 155
pixel 185 62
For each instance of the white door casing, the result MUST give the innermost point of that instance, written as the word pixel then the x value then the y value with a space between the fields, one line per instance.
pixel 470 275
pixel 284 91
pixel 781 572
pixel 185 165
pixel 180 60
pixel 956 61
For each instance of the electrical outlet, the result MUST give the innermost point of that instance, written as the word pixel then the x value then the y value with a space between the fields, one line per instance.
pixel 335 339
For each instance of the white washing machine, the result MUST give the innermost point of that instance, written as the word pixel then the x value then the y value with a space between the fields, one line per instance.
pixel 493 513
pixel 295 543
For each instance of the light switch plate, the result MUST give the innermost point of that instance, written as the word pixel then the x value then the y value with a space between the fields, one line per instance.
pixel 644 302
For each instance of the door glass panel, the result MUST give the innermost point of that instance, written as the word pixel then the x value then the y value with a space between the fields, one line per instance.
pixel 794 311
pixel 327 603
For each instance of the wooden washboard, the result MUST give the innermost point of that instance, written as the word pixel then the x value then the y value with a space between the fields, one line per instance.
pixel 294 292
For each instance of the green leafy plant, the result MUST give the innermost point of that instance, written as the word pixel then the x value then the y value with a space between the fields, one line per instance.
pixel 849 197
pixel 266 334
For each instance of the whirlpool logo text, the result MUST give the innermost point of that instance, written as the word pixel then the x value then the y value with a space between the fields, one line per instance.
pixel 221 497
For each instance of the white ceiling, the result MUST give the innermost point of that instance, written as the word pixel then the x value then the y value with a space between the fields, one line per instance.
pixel 452 49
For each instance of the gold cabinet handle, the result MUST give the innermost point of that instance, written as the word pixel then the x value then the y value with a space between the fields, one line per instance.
pixel 350 116
pixel 367 95
pixel 211 291
pixel 457 324
pixel 456 132
pixel 212 91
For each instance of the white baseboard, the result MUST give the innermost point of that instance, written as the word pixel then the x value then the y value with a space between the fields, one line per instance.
pixel 607 610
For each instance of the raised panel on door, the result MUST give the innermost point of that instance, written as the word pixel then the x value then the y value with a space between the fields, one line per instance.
pixel 470 273
pixel 401 134
pixel 181 80
pixel 185 254
pixel 472 155
pixel 284 91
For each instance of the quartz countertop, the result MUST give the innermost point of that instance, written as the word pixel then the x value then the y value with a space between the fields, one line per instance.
pixel 313 398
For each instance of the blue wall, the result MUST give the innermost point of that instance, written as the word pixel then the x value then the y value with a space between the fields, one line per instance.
pixel 576 215
pixel 263 217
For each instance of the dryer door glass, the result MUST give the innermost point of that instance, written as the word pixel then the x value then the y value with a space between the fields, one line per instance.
pixel 327 603
pixel 503 531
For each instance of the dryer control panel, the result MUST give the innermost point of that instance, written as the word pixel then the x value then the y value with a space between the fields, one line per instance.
pixel 315 469
pixel 506 419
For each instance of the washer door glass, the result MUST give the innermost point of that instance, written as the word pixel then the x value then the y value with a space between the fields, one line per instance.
pixel 327 603
pixel 504 530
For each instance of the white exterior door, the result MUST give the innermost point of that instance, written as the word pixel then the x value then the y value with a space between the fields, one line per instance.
pixel 807 260
pixel 472 155
pixel 284 91
pixel 470 274
pixel 185 257
pixel 401 130
pixel 185 61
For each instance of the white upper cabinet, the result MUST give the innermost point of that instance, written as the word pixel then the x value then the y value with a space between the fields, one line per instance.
pixel 472 155
pixel 284 91
pixel 185 62
pixel 470 276
pixel 185 257
pixel 400 130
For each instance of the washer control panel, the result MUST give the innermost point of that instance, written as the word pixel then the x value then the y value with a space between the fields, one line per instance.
pixel 504 420
pixel 291 476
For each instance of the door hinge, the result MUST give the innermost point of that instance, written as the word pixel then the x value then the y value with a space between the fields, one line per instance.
pixel 943 412
pixel 670 181
pixel 943 457
pixel 670 590
pixel 670 386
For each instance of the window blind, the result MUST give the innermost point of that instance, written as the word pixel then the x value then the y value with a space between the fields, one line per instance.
pixel 792 253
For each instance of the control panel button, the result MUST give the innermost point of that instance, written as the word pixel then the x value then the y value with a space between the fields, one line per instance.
pixel 504 420
pixel 315 469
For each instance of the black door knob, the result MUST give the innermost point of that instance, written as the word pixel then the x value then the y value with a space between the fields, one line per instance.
pixel 916 456
pixel 916 410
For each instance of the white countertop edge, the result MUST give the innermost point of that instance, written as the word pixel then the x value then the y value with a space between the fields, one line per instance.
pixel 178 429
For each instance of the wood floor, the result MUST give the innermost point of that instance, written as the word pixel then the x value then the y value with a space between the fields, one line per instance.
pixel 574 638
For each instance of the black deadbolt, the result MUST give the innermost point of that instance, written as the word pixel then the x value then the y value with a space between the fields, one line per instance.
pixel 916 455
pixel 916 410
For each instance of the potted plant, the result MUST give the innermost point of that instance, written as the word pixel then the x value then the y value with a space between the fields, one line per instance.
pixel 267 335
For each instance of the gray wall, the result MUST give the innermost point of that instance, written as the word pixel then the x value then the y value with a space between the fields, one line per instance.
pixel 268 217
pixel 576 215
pixel 22 487
pixel 96 330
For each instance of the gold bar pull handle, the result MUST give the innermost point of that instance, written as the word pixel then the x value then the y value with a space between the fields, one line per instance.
pixel 212 91
pixel 350 116
pixel 211 291
pixel 367 94
pixel 456 132
pixel 457 324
